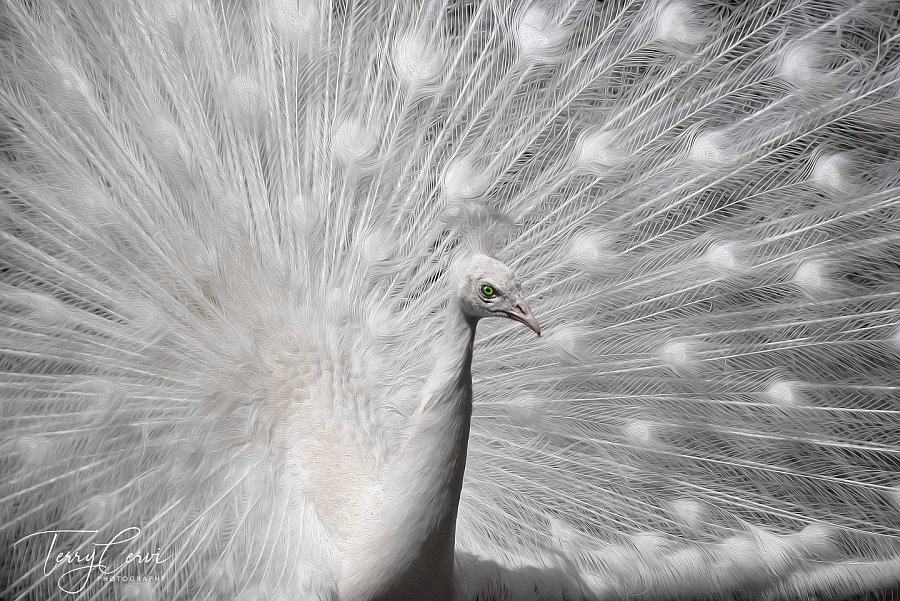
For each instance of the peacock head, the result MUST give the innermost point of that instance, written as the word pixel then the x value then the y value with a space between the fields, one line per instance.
pixel 490 289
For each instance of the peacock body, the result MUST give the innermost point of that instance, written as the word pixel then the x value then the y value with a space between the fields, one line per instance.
pixel 233 328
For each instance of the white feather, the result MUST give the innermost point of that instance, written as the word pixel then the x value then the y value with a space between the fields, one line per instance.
pixel 230 229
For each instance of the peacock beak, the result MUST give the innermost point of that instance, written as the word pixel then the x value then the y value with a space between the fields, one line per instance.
pixel 523 314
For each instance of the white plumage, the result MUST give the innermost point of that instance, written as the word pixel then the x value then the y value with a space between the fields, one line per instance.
pixel 233 237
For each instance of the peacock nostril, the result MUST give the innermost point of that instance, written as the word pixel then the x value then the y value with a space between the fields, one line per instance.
pixel 521 309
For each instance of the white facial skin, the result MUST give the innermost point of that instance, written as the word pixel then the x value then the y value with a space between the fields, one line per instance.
pixel 490 290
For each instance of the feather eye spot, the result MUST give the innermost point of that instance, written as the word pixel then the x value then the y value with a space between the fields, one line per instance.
pixel 799 64
pixel 106 395
pixel 376 245
pixel 597 150
pixel 784 393
pixel 246 97
pixel 680 355
pixel 538 37
pixel 711 148
pixel 418 62
pixel 690 512
pixel 463 181
pixel 818 540
pixel 592 252
pixel 97 511
pixel 811 277
pixel 678 23
pixel 33 450
pixel 292 19
pixel 354 143
pixel 650 543
pixel 176 12
pixel 832 172
pixel 725 258
pixel 565 342
pixel 641 433
pixel 138 591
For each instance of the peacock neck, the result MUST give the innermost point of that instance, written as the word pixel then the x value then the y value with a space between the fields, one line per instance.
pixel 449 387
pixel 433 459
pixel 415 524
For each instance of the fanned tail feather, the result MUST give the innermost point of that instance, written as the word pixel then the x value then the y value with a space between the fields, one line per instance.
pixel 228 229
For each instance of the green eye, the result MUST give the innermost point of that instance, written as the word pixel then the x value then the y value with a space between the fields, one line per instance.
pixel 487 290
